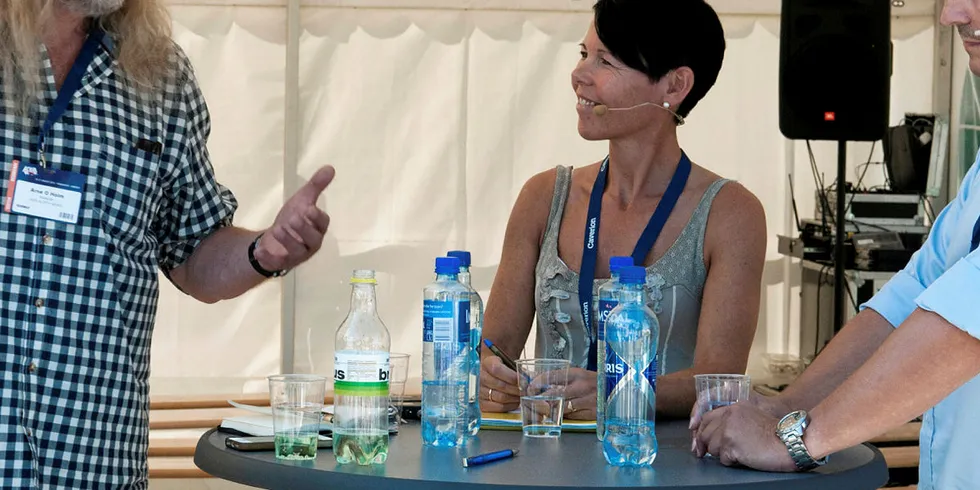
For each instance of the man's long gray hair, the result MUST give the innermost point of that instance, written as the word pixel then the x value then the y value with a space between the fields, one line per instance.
pixel 141 28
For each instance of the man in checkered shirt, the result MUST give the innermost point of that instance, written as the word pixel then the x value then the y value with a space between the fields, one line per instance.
pixel 79 277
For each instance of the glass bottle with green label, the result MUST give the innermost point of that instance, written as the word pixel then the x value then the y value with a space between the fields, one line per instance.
pixel 361 374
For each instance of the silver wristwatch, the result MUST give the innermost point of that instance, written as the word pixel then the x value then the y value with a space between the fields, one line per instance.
pixel 790 430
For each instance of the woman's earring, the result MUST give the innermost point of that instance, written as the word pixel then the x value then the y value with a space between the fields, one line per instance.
pixel 666 105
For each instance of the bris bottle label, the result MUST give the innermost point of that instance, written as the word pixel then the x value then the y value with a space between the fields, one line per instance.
pixel 616 369
pixel 439 320
pixel 361 373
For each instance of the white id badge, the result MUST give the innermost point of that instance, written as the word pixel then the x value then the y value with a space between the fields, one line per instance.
pixel 44 193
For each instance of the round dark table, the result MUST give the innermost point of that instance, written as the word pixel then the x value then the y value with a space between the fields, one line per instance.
pixel 572 462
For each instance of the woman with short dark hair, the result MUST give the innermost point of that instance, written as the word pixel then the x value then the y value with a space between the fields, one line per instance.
pixel 645 64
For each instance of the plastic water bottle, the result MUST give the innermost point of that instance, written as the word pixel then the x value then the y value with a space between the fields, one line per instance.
pixel 632 334
pixel 361 376
pixel 476 337
pixel 608 299
pixel 445 357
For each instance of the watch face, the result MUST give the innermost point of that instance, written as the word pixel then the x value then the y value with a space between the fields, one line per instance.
pixel 791 420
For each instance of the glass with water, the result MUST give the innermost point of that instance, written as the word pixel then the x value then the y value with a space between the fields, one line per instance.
pixel 542 385
pixel 297 409
pixel 399 363
pixel 720 390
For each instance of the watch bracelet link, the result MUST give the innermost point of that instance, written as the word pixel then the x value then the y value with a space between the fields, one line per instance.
pixel 799 453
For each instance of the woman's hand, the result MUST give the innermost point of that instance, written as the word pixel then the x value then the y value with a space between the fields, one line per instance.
pixel 580 394
pixel 499 392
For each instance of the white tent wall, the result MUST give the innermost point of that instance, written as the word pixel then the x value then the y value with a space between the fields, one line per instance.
pixel 239 56
pixel 435 113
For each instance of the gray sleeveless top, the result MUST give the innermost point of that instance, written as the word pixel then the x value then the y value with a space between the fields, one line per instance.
pixel 674 288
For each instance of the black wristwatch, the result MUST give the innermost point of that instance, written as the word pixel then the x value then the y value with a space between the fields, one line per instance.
pixel 255 263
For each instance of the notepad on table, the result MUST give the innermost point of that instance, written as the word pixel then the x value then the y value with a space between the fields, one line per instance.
pixel 253 425
pixel 261 424
pixel 512 421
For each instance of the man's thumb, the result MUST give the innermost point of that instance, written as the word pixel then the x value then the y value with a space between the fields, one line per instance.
pixel 320 180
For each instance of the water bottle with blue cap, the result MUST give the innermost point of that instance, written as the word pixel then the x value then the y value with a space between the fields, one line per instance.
pixel 476 336
pixel 632 334
pixel 445 357
pixel 608 299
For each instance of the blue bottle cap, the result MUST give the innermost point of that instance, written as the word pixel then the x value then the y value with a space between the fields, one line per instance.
pixel 462 255
pixel 447 265
pixel 616 263
pixel 632 274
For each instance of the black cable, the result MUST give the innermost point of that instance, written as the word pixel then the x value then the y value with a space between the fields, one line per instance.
pixel 853 302
pixel 860 179
pixel 929 211
pixel 816 335
pixel 856 223
pixel 813 166
pixel 820 282
pixel 792 194
pixel 821 190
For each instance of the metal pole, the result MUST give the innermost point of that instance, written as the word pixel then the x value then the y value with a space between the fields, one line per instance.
pixel 290 179
pixel 839 239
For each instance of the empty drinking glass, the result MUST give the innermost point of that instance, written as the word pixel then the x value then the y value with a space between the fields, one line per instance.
pixel 396 388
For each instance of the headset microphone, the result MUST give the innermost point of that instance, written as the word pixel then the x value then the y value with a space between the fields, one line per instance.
pixel 601 110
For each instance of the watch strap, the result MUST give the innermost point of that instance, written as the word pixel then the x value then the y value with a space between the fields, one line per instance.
pixel 255 263
pixel 800 454
pixel 793 439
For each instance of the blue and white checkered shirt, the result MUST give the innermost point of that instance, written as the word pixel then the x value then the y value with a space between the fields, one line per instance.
pixel 78 301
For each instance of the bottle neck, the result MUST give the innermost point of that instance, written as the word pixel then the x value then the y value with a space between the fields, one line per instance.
pixel 631 293
pixel 447 277
pixel 464 275
pixel 363 299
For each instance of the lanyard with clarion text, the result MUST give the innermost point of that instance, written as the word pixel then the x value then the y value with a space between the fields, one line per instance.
pixel 643 245
pixel 71 85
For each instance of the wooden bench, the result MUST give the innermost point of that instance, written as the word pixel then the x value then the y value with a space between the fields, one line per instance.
pixel 176 402
pixel 174 457
pixel 188 418
pixel 900 447
pixel 174 467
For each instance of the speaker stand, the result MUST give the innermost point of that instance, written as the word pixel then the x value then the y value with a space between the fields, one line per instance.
pixel 839 240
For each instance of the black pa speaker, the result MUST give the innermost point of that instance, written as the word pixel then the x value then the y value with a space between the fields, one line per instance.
pixel 835 59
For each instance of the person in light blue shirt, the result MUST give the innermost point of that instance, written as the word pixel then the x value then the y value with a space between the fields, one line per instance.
pixel 914 349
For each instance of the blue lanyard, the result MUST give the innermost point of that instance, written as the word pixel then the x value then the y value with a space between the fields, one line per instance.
pixel 72 83
pixel 643 245
pixel 976 236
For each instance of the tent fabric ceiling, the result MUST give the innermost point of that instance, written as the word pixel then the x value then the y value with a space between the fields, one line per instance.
pixel 731 7
pixel 738 16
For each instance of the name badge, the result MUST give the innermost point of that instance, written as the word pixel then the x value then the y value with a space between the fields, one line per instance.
pixel 44 193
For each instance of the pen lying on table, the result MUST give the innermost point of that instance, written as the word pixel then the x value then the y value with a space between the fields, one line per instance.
pixel 488 458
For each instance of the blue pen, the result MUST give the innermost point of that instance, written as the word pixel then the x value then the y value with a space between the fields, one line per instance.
pixel 499 353
pixel 489 457
pixel 505 359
